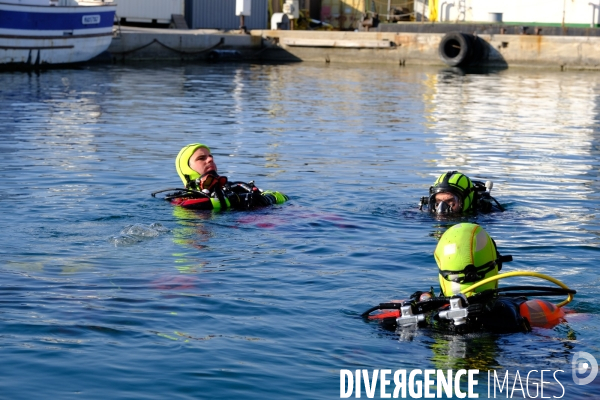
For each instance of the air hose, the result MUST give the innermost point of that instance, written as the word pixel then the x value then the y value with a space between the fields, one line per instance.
pixel 524 273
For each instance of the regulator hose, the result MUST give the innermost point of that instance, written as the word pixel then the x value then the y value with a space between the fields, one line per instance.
pixel 569 291
pixel 435 302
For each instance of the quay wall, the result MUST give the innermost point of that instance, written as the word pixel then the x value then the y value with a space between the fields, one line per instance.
pixel 147 44
pixel 562 52
pixel 400 48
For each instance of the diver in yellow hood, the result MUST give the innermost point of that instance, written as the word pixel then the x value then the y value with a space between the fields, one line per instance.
pixel 206 190
pixel 193 161
pixel 470 299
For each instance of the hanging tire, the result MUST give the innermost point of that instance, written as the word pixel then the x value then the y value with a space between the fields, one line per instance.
pixel 455 48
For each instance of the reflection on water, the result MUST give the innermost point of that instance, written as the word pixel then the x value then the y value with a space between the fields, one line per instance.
pixel 532 126
pixel 100 278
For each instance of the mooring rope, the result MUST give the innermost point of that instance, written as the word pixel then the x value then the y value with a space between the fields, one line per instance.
pixel 123 53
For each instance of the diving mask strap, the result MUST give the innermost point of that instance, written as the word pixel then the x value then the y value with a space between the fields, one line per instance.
pixel 500 258
pixel 471 273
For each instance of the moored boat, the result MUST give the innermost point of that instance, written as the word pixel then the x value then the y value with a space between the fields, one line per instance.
pixel 49 32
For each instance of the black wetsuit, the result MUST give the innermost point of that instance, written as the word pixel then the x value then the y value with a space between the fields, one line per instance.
pixel 497 315
pixel 244 196
pixel 233 195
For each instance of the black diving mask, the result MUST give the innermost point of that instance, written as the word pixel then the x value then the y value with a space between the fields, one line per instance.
pixel 470 273
pixel 443 208
pixel 449 205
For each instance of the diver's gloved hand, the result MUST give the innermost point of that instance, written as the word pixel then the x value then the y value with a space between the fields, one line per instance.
pixel 211 180
pixel 262 199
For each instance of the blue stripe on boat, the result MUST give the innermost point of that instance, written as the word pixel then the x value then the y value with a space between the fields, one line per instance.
pixel 53 21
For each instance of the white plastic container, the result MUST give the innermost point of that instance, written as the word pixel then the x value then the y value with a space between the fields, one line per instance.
pixel 495 17
pixel 242 7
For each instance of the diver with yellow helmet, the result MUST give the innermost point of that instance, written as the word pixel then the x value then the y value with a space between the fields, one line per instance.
pixel 454 193
pixel 205 189
pixel 470 299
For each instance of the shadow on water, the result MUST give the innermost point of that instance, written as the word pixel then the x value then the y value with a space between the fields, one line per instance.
pixel 471 70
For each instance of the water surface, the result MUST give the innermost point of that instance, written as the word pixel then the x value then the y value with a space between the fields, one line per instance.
pixel 109 293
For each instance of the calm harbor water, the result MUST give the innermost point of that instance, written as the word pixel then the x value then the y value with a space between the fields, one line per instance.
pixel 109 293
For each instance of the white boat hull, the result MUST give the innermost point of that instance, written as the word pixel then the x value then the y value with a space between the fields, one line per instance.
pixel 39 35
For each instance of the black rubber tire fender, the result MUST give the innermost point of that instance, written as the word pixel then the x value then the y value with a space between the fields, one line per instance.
pixel 455 48
pixel 478 49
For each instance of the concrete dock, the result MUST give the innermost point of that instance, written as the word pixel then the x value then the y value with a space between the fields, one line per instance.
pixel 148 44
pixel 399 48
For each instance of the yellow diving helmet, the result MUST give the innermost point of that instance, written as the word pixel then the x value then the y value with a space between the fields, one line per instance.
pixel 465 255
pixel 457 184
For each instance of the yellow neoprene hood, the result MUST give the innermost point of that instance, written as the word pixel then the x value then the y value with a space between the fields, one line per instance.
pixel 463 245
pixel 182 163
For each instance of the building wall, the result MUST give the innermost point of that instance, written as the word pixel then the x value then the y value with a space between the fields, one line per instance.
pixel 220 14
pixel 582 13
pixel 342 14
pixel 148 10
pixel 422 10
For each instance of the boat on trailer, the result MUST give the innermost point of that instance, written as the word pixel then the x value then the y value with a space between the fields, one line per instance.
pixel 53 32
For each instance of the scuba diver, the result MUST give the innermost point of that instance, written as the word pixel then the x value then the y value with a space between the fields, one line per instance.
pixel 454 193
pixel 205 189
pixel 470 299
